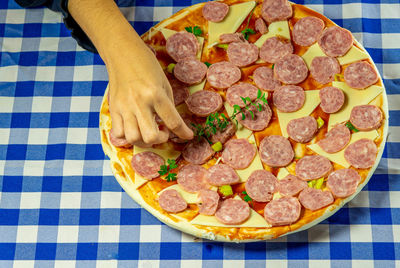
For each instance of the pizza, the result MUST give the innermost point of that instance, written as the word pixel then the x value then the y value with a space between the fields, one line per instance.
pixel 289 113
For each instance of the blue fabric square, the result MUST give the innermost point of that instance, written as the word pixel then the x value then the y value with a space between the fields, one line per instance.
pixel 318 250
pixel 72 184
pixel 52 184
pixel 297 250
pixel 93 119
pixel 66 251
pixel 27 58
pixel 31 184
pixel 27 217
pixel 86 251
pixel 94 152
pixel 89 217
pixel 91 183
pixel 255 251
pixel 12 184
pixel 32 29
pixel 383 251
pixel 5 120
pixel 52 30
pixel 340 217
pixel 59 119
pixel 48 216
pixel 9 217
pixel 55 151
pixel 65 58
pixel 8 234
pixel 69 217
pixel 16 152
pixel 75 151
pixel 13 30
pixel 131 217
pixel 381 216
pixel 20 120
pixel 149 251
pixel 379 182
pixel 78 120
pixel 25 251
pixel 7 251
pixel 146 218
pixel 362 251
pixel 340 251
pixel 109 216
pixel 107 251
pixel 212 251
pixel 8 59
pixel 45 251
pixel 36 152
pixel 98 88
pixel 128 251
pixel 170 251
pixel 47 58
pixel 62 88
pixel 191 251
pixel 40 120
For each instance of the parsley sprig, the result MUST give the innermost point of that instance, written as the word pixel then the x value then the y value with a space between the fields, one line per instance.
pixel 196 30
pixel 247 31
pixel 166 169
pixel 351 127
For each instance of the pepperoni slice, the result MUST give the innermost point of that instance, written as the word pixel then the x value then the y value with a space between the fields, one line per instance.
pixel 119 142
pixel 238 153
pixel 171 201
pixel 259 120
pixel 233 211
pixel 192 178
pixel 312 167
pixel 282 211
pixel 231 37
pixel 314 199
pixel 307 30
pixel 366 117
pixel 182 45
pixel 343 182
pixel 332 99
pixel 147 164
pixel 242 53
pixel 323 69
pixel 215 11
pixel 261 185
pixel 224 135
pixel 276 10
pixel 289 98
pixel 276 151
pixel 264 79
pixel 360 75
pixel 222 174
pixel 275 48
pixel 223 74
pixel 291 185
pixel 302 129
pixel 209 202
pixel 198 151
pixel 190 71
pixel 335 41
pixel 179 90
pixel 235 93
pixel 336 139
pixel 204 102
pixel 291 69
pixel 361 154
pixel 260 26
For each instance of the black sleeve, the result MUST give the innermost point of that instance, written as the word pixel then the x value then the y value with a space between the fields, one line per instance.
pixel 62 6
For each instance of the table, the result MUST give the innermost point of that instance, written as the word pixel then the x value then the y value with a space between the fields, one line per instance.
pixel 60 205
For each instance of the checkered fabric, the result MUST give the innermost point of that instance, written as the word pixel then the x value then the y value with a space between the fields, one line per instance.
pixel 60 205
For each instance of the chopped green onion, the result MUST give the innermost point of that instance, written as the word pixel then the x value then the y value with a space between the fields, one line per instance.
pixel 170 67
pixel 226 190
pixel 217 146
pixel 351 127
pixel 273 66
pixel 207 63
pixel 311 183
pixel 224 46
pixel 319 183
pixel 320 122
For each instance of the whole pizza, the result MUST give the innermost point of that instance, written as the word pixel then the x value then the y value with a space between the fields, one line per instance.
pixel 289 114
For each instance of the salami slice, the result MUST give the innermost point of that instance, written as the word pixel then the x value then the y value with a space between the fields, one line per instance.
pixel 238 153
pixel 147 164
pixel 314 199
pixel 361 154
pixel 182 45
pixel 264 79
pixel 209 202
pixel 215 11
pixel 260 26
pixel 335 41
pixel 313 167
pixel 192 178
pixel 233 211
pixel 360 75
pixel 291 69
pixel 222 174
pixel 119 142
pixel 171 201
pixel 366 117
pixel 343 182
pixel 242 53
pixel 204 102
pixel 291 185
pixel 179 90
pixel 198 151
pixel 190 71
pixel 302 129
pixel 276 10
pixel 235 93
pixel 224 135
pixel 223 74
pixel 307 30
pixel 289 98
pixel 282 211
pixel 275 48
pixel 332 99
pixel 336 139
pixel 260 119
pixel 261 185
pixel 323 69
pixel 231 37
pixel 276 151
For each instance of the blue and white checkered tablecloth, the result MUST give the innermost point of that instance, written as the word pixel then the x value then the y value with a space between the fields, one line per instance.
pixel 60 205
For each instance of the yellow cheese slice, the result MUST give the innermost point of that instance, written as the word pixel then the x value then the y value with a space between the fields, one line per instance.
pixel 244 174
pixel 283 172
pixel 312 52
pixel 197 87
pixel 241 132
pixel 237 14
pixel 311 102
pixel 275 28
pixel 338 157
pixel 190 198
pixel 354 97
pixel 166 154
pixel 167 34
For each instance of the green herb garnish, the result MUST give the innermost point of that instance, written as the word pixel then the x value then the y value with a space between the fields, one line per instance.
pixel 165 170
pixel 246 198
pixel 196 30
pixel 351 127
pixel 224 46
pixel 207 63
pixel 247 31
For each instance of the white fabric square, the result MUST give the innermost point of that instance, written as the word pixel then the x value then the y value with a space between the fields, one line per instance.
pixel 129 12
pixel 390 11
pixel 50 16
pixel 360 233
pixel 38 136
pixel 70 200
pixel 83 73
pixel 394 199
pixel 41 104
pixel 109 233
pixel 106 264
pixel 394 133
pixel 27 234
pixel 30 200
pixel 396 233
pixel 150 233
pixel 49 43
pixel 9 74
pixel 161 13
pixel 15 16
pixel 391 70
pixel 4 135
pixel 189 238
pixel 393 165
pixel 6 104
pixel 73 167
pixel 319 263
pixel 64 264
pixel 77 135
pixel 23 264
pixel 191 263
pixel 148 263
pixel 276 263
pixel 362 264
pixel 319 233
pixel 235 263
pixel 351 11
pixel 11 44
pixel 390 40
pixel 318 8
pixel 67 234
pixel 45 73
pixel 110 199
pixel 34 168
pixel 80 104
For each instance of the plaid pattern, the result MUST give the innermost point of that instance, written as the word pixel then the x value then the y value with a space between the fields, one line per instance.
pixel 60 205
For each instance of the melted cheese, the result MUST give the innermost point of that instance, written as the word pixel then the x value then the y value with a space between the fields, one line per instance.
pixel 312 52
pixel 167 33
pixel 354 97
pixel 164 153
pixel 197 87
pixel 237 14
pixel 338 157
pixel 241 132
pixel 275 28
pixel 244 174
pixel 190 198
pixel 283 172
pixel 311 102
